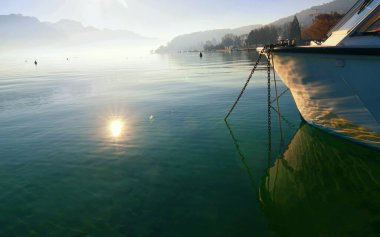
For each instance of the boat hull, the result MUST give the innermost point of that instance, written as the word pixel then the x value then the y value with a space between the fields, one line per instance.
pixel 338 93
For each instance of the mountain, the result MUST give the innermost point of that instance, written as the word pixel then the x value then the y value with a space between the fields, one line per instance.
pixel 17 28
pixel 196 40
pixel 24 31
pixel 69 27
pixel 306 17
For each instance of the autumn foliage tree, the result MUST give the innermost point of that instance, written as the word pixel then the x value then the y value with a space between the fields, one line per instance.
pixel 321 25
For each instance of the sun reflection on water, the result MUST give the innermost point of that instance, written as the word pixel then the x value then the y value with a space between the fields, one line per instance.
pixel 116 127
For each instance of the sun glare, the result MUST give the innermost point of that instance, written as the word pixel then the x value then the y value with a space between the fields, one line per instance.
pixel 116 127
pixel 123 3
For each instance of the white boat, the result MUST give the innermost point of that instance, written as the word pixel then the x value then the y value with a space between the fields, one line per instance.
pixel 336 85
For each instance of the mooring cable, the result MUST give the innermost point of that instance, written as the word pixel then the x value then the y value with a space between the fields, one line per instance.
pixel 269 107
pixel 246 84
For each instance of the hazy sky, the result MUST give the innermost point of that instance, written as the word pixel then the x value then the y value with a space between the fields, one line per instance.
pixel 159 18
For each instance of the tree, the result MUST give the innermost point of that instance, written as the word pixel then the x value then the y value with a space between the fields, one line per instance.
pixel 295 31
pixel 321 26
pixel 208 46
pixel 264 35
pixel 284 31
pixel 228 40
pixel 237 42
pixel 243 40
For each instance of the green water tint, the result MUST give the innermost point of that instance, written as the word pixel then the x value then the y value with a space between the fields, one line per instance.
pixel 323 186
pixel 140 148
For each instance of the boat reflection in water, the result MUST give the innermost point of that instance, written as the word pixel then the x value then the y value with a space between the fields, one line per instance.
pixel 323 186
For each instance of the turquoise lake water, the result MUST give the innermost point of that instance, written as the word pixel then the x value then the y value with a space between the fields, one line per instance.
pixel 138 147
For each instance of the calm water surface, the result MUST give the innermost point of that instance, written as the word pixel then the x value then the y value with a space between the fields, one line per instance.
pixel 138 147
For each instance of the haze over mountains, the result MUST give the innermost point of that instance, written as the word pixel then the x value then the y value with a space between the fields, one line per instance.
pixel 18 31
pixel 196 40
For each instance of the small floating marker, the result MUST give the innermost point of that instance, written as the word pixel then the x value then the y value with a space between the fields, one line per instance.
pixel 151 117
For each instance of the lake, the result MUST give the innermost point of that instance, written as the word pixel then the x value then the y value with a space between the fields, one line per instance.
pixel 137 146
